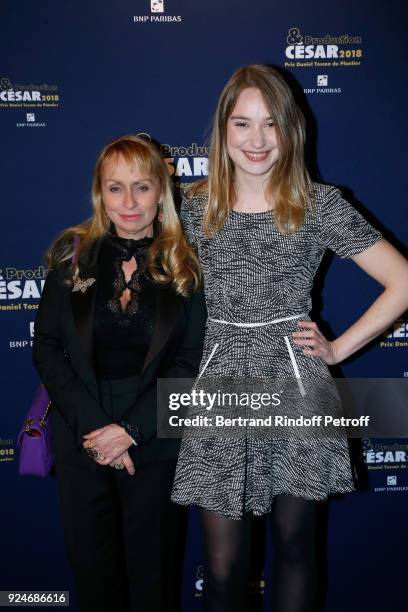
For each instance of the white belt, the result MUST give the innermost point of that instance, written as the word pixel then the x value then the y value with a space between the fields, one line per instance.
pixel 287 341
pixel 262 324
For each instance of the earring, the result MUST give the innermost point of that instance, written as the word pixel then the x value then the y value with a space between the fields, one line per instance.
pixel 160 212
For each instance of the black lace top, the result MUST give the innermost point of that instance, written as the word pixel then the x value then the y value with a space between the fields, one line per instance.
pixel 122 337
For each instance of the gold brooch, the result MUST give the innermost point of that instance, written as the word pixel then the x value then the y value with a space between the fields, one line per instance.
pixel 83 284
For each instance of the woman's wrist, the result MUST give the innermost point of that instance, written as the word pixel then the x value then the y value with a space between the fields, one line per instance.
pixel 133 432
pixel 337 351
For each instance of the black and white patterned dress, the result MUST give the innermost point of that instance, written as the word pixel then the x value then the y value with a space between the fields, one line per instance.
pixel 253 274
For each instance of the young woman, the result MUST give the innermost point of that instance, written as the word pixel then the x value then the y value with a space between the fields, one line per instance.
pixel 261 227
pixel 114 316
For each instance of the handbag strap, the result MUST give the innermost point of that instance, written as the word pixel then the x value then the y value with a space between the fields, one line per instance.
pixel 44 416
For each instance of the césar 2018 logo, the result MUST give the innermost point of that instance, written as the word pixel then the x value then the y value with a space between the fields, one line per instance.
pixel 336 50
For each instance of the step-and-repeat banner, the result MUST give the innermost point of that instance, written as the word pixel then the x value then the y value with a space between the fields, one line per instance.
pixel 74 75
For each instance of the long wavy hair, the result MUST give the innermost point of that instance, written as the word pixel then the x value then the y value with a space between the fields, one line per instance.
pixel 170 259
pixel 288 183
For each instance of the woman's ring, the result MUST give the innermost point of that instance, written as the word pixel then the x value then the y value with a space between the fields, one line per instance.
pixel 93 453
pixel 90 449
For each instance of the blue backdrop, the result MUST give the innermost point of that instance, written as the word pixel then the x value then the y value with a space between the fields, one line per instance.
pixel 73 76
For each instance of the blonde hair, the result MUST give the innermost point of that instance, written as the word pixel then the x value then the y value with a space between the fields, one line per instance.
pixel 170 259
pixel 289 181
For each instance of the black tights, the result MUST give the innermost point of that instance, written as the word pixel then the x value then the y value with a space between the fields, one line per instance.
pixel 226 545
pixel 294 523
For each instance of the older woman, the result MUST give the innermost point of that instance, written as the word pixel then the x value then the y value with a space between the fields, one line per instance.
pixel 114 316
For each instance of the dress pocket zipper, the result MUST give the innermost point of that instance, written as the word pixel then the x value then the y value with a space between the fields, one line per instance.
pixel 295 367
pixel 214 348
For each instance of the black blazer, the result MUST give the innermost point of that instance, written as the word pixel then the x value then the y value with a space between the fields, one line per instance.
pixel 63 356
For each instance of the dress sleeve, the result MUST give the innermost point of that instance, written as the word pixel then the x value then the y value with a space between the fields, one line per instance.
pixel 343 229
pixel 187 221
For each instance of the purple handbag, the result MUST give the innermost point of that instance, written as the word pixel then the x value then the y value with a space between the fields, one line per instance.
pixel 34 439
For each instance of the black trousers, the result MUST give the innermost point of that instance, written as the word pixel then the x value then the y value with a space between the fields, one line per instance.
pixel 124 537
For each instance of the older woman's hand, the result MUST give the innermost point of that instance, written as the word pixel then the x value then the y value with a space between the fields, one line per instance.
pixel 314 343
pixel 111 443
pixel 124 461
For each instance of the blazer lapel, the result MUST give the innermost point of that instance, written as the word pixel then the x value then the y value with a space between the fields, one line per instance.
pixel 83 296
pixel 168 306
